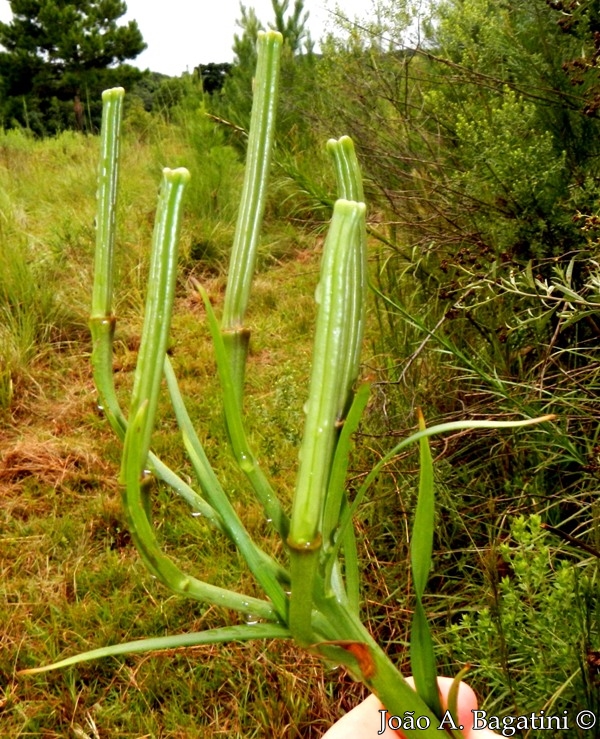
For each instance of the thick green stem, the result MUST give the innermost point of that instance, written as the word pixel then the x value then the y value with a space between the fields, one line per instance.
pixel 304 563
pixel 338 330
pixel 350 187
pixel 334 350
pixel 252 205
pixel 102 321
pixel 352 645
pixel 159 302
pixel 347 169
pixel 108 169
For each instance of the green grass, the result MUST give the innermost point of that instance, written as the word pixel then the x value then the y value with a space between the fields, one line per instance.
pixel 485 348
pixel 71 577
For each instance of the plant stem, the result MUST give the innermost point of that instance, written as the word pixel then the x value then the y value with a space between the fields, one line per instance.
pixel 108 169
pixel 159 301
pixel 353 646
pixel 245 245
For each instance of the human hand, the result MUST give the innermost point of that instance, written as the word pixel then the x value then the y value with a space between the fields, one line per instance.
pixel 366 722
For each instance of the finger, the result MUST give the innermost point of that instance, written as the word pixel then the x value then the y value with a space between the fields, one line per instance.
pixel 362 722
pixel 365 721
pixel 466 703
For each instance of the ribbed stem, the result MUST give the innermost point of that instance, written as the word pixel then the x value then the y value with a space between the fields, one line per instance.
pixel 159 301
pixel 338 330
pixel 252 205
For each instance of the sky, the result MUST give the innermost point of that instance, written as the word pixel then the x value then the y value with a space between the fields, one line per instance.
pixel 184 33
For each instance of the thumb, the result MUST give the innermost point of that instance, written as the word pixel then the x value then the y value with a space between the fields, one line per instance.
pixel 466 704
pixel 366 721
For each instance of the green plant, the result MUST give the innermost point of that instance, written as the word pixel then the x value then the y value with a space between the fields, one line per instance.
pixel 540 626
pixel 315 598
pixel 33 315
pixel 51 78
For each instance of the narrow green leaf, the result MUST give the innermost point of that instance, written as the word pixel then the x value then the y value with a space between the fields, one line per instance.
pixel 206 476
pixel 143 535
pixel 266 570
pixel 422 657
pixel 453 698
pixel 185 492
pixel 178 641
pixel 235 427
pixel 421 543
pixel 351 569
pixel 339 468
pixel 441 428
pixel 336 501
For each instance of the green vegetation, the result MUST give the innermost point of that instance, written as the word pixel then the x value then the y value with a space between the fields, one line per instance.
pixel 61 502
pixel 480 157
pixel 58 57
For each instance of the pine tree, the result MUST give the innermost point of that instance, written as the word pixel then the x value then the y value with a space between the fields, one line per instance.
pixel 293 26
pixel 58 57
pixel 237 91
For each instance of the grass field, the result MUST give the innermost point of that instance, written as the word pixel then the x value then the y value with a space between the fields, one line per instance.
pixel 70 577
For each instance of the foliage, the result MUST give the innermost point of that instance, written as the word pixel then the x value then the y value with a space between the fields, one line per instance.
pixel 236 100
pixel 480 150
pixel 542 626
pixel 213 76
pixel 581 21
pixel 486 49
pixel 146 88
pixel 293 27
pixel 427 115
pixel 235 103
pixel 58 57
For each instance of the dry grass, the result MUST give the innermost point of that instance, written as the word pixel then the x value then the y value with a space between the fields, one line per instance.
pixel 51 462
pixel 72 580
